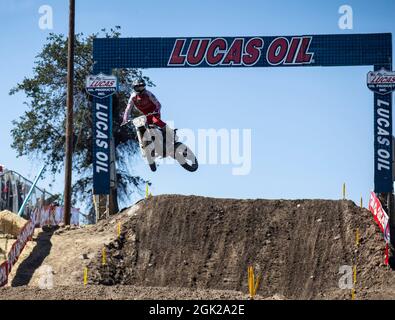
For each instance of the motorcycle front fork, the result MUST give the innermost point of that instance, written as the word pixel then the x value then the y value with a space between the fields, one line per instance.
pixel 140 135
pixel 162 150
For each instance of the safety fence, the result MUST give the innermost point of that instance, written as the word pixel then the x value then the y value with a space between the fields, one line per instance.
pixel 13 191
pixel 53 216
pixel 16 249
pixel 48 215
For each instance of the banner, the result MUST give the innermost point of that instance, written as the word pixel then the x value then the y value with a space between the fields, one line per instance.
pixel 53 216
pixel 101 87
pixel 16 249
pixel 380 216
pixel 49 215
pixel 3 273
pixel 249 51
pixel 383 181
pixel 102 132
pixel 382 219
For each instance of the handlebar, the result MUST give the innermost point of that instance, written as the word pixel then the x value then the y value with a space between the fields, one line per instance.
pixel 148 114
pixel 127 122
pixel 151 114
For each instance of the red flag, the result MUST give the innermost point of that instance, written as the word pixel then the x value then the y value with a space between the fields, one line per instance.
pixel 380 216
pixel 382 219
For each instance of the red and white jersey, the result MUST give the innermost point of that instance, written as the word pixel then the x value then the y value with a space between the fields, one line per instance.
pixel 145 102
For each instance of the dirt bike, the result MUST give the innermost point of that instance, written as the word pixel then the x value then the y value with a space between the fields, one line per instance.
pixel 155 143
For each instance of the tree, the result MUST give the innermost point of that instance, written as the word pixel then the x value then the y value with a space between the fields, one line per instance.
pixel 39 132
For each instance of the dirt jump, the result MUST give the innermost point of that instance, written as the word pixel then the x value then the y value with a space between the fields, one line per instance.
pixel 191 247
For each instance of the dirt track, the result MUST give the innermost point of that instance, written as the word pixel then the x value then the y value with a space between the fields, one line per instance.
pixel 121 292
pixel 205 244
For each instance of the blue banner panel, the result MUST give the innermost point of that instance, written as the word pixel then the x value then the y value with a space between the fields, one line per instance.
pixel 101 145
pixel 382 143
pixel 259 51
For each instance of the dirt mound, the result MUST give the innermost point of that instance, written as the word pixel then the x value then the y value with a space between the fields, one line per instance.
pixel 10 228
pixel 195 242
pixel 65 252
pixel 11 223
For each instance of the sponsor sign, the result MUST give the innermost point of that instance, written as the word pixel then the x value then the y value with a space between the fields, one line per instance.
pixel 245 52
pixel 101 85
pixel 381 81
pixel 382 143
pixel 101 145
pixel 380 216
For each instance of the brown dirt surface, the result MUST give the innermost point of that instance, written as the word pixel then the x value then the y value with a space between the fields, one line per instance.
pixel 178 247
pixel 65 251
pixel 122 292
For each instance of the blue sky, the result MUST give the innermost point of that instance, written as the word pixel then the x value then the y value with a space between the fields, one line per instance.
pixel 312 128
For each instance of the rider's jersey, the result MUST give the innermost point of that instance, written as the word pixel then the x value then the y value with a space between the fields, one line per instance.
pixel 145 102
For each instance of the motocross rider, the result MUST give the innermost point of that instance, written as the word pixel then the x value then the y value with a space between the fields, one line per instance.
pixel 145 101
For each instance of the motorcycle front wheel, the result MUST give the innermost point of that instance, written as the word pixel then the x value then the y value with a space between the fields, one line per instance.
pixel 185 157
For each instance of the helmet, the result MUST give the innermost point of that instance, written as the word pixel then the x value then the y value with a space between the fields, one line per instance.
pixel 139 85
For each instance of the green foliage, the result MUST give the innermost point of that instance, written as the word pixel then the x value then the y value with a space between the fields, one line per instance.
pixel 39 132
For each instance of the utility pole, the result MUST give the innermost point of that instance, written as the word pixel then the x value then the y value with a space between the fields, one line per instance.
pixel 69 115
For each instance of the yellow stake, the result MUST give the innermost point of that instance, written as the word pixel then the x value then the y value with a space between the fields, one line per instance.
pixel 253 281
pixel 352 294
pixel 146 191
pixel 344 191
pixel 250 282
pixel 119 229
pixel 85 276
pixel 357 237
pixel 355 274
pixel 257 285
pixel 104 260
pixel 252 285
pixel 361 203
